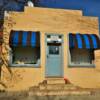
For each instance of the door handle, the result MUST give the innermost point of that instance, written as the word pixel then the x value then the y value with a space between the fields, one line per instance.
pixel 47 56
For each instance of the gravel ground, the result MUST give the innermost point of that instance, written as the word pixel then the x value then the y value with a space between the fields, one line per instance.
pixel 25 96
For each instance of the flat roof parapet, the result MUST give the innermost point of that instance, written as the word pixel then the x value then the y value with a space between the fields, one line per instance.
pixel 42 10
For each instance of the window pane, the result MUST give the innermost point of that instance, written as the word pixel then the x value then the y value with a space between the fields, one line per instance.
pixel 54 50
pixel 26 55
pixel 81 56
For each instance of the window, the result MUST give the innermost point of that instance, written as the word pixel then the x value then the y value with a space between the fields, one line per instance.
pixel 25 48
pixel 25 56
pixel 81 57
pixel 81 49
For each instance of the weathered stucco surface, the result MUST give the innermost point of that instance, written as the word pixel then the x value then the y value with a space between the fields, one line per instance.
pixel 49 21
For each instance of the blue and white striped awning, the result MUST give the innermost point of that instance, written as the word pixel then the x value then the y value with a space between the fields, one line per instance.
pixel 87 41
pixel 24 38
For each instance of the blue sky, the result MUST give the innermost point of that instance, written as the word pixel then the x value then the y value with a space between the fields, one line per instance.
pixel 89 7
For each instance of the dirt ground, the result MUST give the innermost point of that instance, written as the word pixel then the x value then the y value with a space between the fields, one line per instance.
pixel 25 96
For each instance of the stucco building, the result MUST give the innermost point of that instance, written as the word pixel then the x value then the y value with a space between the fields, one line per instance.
pixel 44 43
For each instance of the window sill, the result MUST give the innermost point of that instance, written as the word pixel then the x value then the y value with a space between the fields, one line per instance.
pixel 82 65
pixel 25 65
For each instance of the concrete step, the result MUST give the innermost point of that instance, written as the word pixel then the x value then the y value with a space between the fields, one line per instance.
pixel 56 92
pixel 55 81
pixel 57 87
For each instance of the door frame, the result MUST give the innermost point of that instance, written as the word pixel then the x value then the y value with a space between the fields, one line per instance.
pixel 62 55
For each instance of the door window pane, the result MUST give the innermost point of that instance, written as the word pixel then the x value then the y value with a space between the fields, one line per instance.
pixel 54 50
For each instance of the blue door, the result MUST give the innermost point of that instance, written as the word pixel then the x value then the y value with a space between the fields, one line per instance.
pixel 54 60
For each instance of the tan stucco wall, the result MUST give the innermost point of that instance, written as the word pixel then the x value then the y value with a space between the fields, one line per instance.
pixel 55 22
pixel 49 21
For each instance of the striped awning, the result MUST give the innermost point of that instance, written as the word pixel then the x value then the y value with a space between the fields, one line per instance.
pixel 24 38
pixel 87 41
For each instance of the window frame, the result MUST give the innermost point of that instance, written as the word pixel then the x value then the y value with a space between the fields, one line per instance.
pixel 81 65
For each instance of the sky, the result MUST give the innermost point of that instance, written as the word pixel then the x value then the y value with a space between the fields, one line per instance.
pixel 89 7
